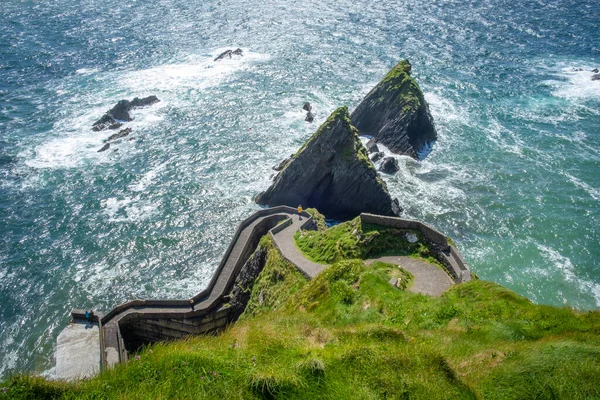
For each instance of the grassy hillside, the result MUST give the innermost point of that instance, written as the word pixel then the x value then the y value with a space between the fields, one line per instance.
pixel 349 334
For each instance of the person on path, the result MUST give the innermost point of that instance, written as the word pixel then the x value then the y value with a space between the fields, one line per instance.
pixel 300 212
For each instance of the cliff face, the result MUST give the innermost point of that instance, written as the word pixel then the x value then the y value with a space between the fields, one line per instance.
pixel 332 172
pixel 396 114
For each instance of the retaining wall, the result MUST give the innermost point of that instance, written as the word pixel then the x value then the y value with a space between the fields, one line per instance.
pixel 444 252
pixel 140 322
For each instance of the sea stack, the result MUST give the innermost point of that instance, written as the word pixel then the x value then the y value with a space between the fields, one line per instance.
pixel 332 172
pixel 396 115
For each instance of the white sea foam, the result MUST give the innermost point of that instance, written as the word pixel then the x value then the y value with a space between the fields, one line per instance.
pixel 197 72
pixel 73 144
pixel 86 71
pixel 566 268
pixel 593 192
pixel 575 85
pixel 128 209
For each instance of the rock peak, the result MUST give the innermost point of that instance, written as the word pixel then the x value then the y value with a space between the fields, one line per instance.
pixel 332 172
pixel 396 114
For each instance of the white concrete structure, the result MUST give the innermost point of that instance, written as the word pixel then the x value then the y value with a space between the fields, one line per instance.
pixel 78 351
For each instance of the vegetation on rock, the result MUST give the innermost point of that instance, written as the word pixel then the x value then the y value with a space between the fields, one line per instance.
pixel 353 239
pixel 396 114
pixel 332 172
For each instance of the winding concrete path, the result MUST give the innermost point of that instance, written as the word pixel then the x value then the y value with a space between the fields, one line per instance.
pixel 429 279
pixel 284 240
pixel 185 316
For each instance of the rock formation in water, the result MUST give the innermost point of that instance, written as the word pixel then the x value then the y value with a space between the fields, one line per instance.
pixel 332 172
pixel 229 53
pixel 310 116
pixel 596 77
pixel 121 134
pixel 120 112
pixel 396 114
pixel 389 165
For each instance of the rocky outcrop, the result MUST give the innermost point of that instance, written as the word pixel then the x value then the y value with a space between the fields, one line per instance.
pixel 377 156
pixel 389 165
pixel 283 163
pixel 372 147
pixel 229 53
pixel 596 77
pixel 121 134
pixel 104 148
pixel 310 116
pixel 396 114
pixel 242 288
pixel 120 112
pixel 332 173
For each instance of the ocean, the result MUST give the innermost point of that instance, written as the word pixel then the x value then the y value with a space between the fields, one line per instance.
pixel 514 178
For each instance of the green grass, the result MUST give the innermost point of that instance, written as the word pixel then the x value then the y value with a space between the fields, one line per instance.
pixel 348 334
pixel 318 218
pixel 405 89
pixel 352 239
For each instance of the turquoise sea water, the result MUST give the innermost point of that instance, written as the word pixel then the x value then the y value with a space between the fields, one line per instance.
pixel 514 177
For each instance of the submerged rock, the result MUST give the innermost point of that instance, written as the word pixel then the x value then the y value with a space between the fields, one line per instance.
pixel 283 163
pixel 122 133
pixel 389 165
pixel 395 113
pixel 332 172
pixel 229 53
pixel 372 147
pixel 120 112
pixel 596 77
pixel 310 116
pixel 595 70
pixel 377 156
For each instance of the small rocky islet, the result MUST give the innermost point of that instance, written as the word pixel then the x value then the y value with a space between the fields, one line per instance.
pixel 333 171
pixel 116 117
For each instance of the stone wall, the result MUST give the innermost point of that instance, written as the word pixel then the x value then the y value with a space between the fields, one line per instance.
pixel 141 322
pixel 442 250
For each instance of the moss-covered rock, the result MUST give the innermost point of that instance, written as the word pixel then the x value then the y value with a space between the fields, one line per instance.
pixel 332 172
pixel 396 114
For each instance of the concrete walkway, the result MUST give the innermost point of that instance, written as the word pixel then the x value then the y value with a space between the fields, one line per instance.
pixel 284 240
pixel 78 351
pixel 429 279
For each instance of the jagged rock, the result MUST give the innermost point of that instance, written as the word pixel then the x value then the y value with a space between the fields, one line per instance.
pixel 229 53
pixel 121 112
pixel 395 113
pixel 242 288
pixel 377 156
pixel 283 163
pixel 310 116
pixel 372 147
pixel 596 77
pixel 106 122
pixel 577 69
pixel 122 133
pixel 595 70
pixel 104 148
pixel 389 165
pixel 332 172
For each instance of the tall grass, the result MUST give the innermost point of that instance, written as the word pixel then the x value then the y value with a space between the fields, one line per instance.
pixel 349 334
